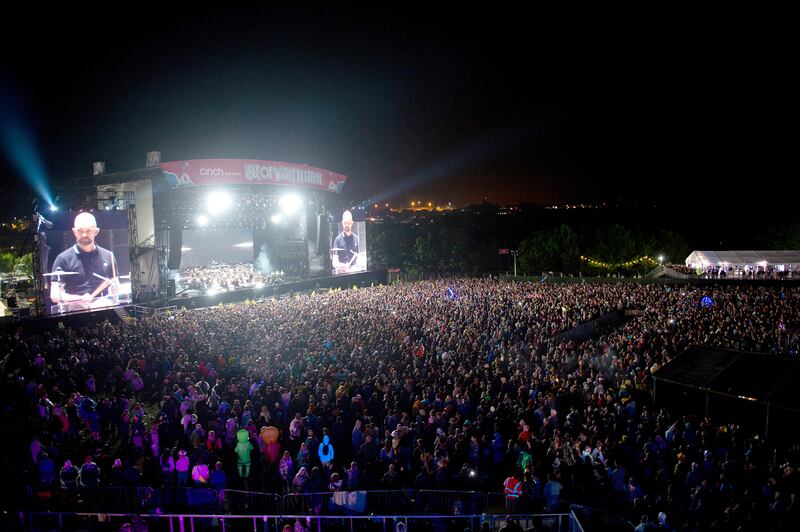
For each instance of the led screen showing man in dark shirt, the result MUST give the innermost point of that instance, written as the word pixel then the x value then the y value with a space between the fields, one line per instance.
pixel 89 270
pixel 345 246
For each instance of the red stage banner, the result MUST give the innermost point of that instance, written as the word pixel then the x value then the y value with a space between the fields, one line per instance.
pixel 205 172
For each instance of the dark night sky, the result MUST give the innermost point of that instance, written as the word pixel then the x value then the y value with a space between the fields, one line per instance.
pixel 417 104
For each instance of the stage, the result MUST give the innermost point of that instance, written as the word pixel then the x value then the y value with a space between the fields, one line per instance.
pixel 115 314
pixel 362 279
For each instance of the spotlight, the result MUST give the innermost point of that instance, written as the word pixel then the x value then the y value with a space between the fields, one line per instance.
pixel 276 218
pixel 290 204
pixel 53 208
pixel 202 220
pixel 218 201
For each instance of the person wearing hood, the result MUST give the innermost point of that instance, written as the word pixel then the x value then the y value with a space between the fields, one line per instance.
pixel 69 477
pixel 286 470
pixel 300 480
pixel 182 468
pixel 90 474
pixel 198 435
pixel 47 470
pixel 219 479
pixel 325 453
pixel 200 475
pixel 167 468
pixel 117 474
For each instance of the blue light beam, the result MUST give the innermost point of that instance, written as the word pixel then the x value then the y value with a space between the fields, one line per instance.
pixel 18 142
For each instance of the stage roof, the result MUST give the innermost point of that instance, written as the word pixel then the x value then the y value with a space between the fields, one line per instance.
pixel 751 376
pixel 732 258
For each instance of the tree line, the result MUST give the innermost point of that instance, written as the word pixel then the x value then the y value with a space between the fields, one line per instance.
pixel 469 242
pixel 18 264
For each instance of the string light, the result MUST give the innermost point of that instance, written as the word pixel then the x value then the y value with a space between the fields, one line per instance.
pixel 628 264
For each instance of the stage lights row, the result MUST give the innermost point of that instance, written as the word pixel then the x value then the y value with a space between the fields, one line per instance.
pixel 219 201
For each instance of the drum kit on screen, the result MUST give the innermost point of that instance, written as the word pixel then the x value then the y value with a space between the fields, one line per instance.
pixel 117 293
pixel 356 263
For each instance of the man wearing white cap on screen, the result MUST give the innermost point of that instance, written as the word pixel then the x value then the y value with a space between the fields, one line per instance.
pixel 345 246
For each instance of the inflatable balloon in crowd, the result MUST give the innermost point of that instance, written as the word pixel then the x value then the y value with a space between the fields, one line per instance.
pixel 707 302
pixel 271 438
pixel 243 449
pixel 450 293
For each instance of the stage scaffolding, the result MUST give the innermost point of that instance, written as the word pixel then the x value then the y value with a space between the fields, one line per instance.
pixel 158 211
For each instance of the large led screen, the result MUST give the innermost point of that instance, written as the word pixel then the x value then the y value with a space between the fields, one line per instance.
pixel 348 245
pixel 85 261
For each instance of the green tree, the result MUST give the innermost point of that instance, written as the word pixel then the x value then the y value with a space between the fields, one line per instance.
pixel 549 250
pixel 671 246
pixel 566 242
pixel 24 265
pixel 533 254
pixel 7 262
pixel 464 253
pixel 614 244
pixel 426 254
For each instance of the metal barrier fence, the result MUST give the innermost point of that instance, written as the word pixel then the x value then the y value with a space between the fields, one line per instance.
pixel 68 521
pixel 452 502
pixel 172 499
pixel 350 502
pixel 497 501
pixel 236 502
pixel 141 311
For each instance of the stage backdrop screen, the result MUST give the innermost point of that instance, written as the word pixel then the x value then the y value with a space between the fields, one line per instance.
pixel 348 244
pixel 85 261
pixel 206 247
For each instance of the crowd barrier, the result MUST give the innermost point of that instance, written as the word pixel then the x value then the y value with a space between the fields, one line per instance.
pixel 207 501
pixel 69 521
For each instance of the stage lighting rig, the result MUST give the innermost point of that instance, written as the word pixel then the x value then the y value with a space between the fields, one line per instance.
pixel 218 201
pixel 290 204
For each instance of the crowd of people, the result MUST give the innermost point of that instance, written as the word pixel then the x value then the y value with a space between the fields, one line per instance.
pixel 225 277
pixel 445 385
pixel 731 272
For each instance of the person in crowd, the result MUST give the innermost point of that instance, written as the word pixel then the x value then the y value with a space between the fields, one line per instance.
pixel 218 480
pixel 90 474
pixel 69 478
pixel 513 490
pixel 182 468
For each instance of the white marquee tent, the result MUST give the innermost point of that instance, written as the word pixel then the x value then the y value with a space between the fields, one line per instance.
pixel 779 259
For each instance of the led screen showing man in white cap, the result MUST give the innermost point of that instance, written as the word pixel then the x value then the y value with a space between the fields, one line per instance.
pixel 347 255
